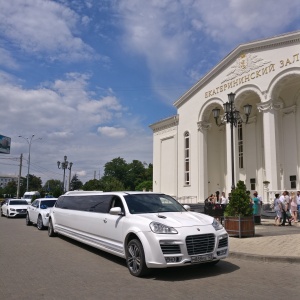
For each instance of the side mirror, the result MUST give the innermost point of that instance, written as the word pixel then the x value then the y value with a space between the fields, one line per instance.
pixel 187 207
pixel 116 211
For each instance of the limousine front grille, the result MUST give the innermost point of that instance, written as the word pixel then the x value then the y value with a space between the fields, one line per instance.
pixel 200 244
pixel 170 249
pixel 223 243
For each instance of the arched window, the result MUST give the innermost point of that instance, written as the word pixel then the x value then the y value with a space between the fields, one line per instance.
pixel 186 158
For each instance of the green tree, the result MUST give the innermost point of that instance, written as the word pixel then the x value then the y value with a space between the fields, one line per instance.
pixel 116 168
pixel 149 172
pixel 135 175
pixel 145 185
pixel 53 187
pixel 35 183
pixel 110 183
pixel 92 185
pixel 130 175
pixel 10 189
pixel 75 183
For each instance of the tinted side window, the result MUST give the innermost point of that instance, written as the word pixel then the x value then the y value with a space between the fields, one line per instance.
pixel 94 203
pixel 60 202
pixel 117 202
pixel 34 203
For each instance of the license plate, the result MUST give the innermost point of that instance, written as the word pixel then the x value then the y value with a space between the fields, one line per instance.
pixel 201 258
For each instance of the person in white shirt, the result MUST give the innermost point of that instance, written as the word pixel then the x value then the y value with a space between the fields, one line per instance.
pixel 224 200
pixel 285 201
pixel 283 212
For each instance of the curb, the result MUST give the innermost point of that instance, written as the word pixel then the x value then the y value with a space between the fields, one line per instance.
pixel 264 258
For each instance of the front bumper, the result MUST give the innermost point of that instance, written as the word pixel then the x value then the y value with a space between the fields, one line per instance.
pixel 17 212
pixel 189 246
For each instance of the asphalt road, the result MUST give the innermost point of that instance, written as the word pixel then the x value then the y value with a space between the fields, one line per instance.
pixel 34 266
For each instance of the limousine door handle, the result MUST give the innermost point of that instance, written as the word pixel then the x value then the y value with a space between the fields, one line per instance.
pixel 105 220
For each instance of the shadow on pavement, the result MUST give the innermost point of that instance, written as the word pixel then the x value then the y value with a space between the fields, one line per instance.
pixel 192 272
pixel 166 274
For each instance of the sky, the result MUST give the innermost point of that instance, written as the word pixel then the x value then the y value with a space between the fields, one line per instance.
pixel 88 77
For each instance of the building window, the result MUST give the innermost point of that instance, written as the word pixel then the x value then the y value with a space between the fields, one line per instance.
pixel 187 158
pixel 240 145
pixel 252 184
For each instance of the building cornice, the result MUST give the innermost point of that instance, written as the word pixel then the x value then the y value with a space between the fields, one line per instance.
pixel 165 123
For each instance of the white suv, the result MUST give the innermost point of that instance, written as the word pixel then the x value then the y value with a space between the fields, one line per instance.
pixel 149 230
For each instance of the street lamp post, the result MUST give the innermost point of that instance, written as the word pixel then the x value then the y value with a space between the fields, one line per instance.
pixel 63 165
pixel 29 141
pixel 70 167
pixel 232 116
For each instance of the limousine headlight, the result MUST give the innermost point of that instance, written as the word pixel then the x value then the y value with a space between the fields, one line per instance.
pixel 217 225
pixel 162 229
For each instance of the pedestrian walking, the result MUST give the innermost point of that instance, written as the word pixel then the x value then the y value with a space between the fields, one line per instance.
pixel 293 202
pixel 284 202
pixel 278 210
pixel 298 204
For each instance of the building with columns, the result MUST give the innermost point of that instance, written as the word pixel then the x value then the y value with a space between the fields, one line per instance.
pixel 192 154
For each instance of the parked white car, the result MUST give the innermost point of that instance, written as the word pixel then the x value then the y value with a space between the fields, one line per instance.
pixel 38 212
pixel 149 230
pixel 14 207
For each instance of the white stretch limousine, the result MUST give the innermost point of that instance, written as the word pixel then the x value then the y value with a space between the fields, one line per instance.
pixel 150 230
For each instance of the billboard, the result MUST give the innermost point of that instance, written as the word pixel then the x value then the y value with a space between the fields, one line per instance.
pixel 5 144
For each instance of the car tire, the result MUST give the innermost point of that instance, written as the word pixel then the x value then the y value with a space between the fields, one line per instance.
pixel 28 222
pixel 135 258
pixel 39 223
pixel 2 215
pixel 7 215
pixel 51 231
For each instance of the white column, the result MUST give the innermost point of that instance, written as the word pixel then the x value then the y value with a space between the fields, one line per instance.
pixel 269 110
pixel 203 127
pixel 228 175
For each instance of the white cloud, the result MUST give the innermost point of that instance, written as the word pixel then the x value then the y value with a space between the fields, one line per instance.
pixel 234 21
pixel 173 34
pixel 47 27
pixel 81 173
pixel 112 131
pixel 68 118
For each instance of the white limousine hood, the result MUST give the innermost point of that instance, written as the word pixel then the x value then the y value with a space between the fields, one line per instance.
pixel 179 219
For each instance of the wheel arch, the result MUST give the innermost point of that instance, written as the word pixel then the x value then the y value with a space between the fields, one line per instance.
pixel 143 240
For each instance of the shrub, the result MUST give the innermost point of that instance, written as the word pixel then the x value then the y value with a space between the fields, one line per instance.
pixel 239 203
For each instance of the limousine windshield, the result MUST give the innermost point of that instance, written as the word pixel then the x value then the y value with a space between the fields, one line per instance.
pixel 152 203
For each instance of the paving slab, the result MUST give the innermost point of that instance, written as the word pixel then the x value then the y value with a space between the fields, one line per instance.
pixel 270 243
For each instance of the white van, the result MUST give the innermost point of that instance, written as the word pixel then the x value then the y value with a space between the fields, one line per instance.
pixel 29 195
pixel 149 230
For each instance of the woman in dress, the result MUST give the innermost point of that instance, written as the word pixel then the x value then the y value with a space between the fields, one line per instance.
pixel 277 208
pixel 256 203
pixel 293 202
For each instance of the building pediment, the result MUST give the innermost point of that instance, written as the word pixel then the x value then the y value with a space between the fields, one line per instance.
pixel 244 64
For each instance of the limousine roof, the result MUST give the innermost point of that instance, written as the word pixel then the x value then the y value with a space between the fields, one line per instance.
pixel 73 193
pixel 82 192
